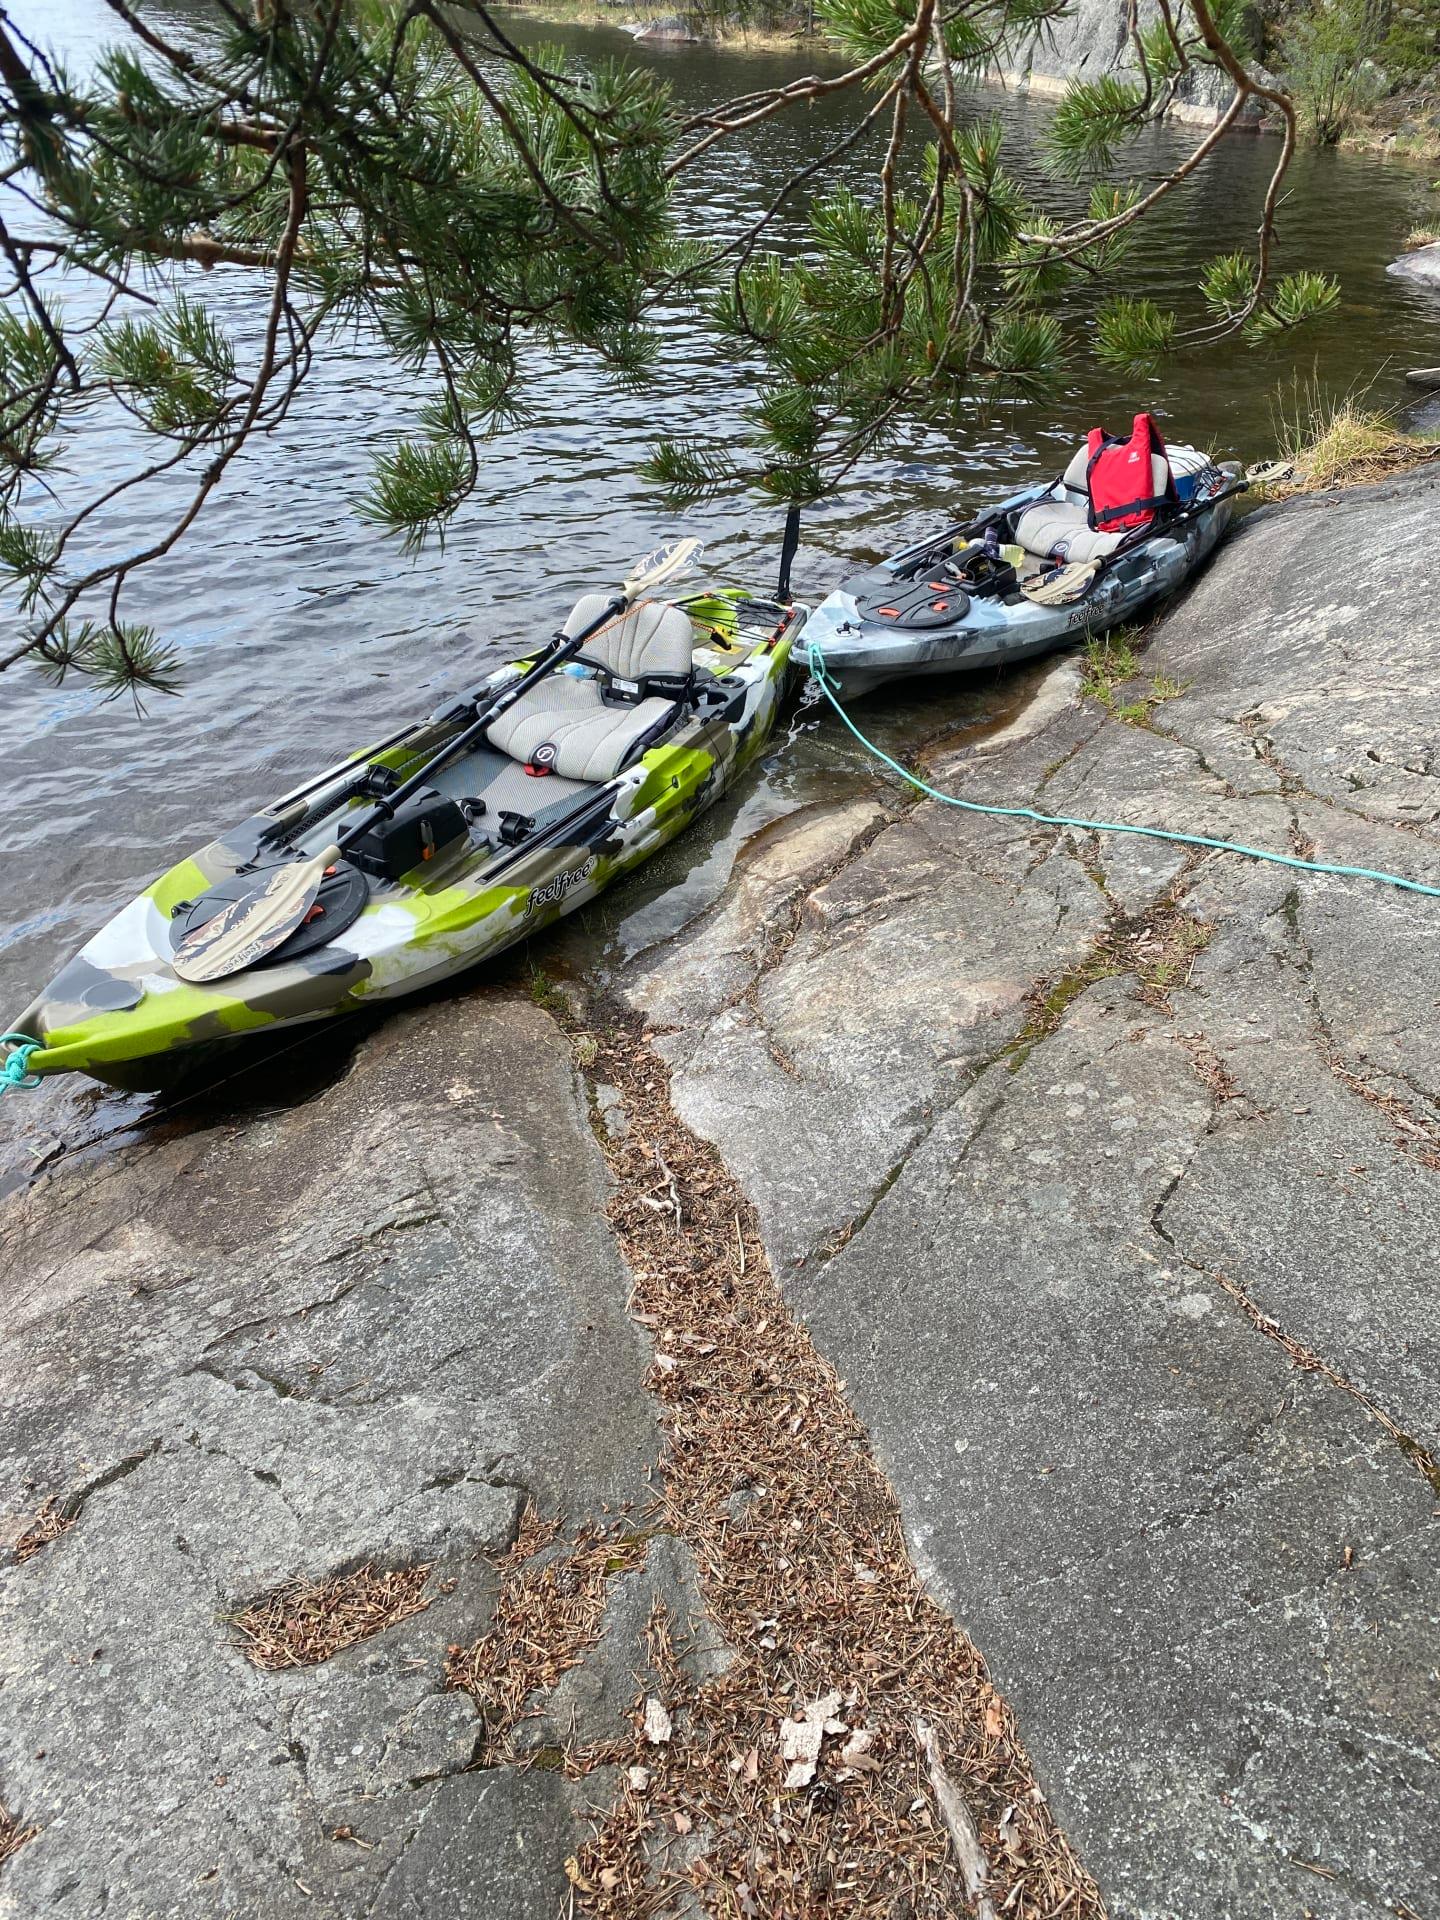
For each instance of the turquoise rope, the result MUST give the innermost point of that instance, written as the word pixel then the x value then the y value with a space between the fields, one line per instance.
pixel 12 1067
pixel 821 675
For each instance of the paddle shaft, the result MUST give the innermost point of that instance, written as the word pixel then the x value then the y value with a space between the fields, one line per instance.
pixel 248 930
pixel 1191 510
pixel 1139 535
pixel 385 809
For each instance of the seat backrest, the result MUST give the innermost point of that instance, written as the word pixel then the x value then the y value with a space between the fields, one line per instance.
pixel 652 639
pixel 1076 480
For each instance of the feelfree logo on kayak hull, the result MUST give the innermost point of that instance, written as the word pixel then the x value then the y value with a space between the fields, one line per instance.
pixel 549 891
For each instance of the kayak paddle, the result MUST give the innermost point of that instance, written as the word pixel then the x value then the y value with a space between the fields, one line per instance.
pixel 249 928
pixel 1061 585
pixel 1269 473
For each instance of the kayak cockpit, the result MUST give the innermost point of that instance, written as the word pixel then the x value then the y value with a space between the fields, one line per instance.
pixel 456 845
pixel 995 557
pixel 1027 574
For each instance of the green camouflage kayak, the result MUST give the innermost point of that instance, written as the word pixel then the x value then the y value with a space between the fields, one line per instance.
pixel 582 778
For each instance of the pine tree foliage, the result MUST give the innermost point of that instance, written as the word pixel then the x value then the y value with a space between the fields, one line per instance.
pixel 947 278
pixel 1094 117
pixel 1133 336
pixel 404 170
pixel 1170 46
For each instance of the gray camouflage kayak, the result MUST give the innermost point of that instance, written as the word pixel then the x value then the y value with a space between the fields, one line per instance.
pixel 955 603
pixel 576 782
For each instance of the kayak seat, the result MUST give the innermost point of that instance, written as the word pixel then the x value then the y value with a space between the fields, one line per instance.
pixel 1060 523
pixel 1062 528
pixel 653 644
pixel 565 726
pixel 641 671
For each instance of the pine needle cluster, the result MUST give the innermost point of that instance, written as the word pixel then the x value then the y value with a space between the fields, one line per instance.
pixel 405 170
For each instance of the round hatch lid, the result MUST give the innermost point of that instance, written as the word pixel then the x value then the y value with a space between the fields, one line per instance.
pixel 923 604
pixel 338 905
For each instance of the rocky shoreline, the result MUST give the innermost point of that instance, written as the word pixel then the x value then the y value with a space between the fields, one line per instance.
pixel 970 1289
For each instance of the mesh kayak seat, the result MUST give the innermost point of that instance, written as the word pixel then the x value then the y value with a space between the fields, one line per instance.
pixel 589 729
pixel 1061 521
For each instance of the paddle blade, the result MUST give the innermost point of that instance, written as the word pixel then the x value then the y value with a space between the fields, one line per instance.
pixel 663 564
pixel 255 924
pixel 1059 588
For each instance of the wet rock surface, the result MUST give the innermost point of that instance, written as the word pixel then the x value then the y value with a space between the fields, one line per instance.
pixel 1106 1173
pixel 1420 263
pixel 1123 1240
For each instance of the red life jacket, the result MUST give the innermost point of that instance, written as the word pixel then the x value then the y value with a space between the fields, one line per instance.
pixel 1121 478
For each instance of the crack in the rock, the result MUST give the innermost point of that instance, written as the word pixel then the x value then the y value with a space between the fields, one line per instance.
pixel 1312 1588
pixel 1418 1137
pixel 1177 1520
pixel 70 1506
pixel 776 936
pixel 488 1476
pixel 279 1319
pixel 282 1388
pixel 1353 1883
pixel 772 939
pixel 742 1389
pixel 1291 783
pixel 1223 781
pixel 266 1479
pixel 297 1753
pixel 1301 1356
pixel 1013 1053
pixel 1056 765
pixel 473 1763
pixel 398 1223
pixel 1424 1094
pixel 407 1841
pixel 850 1232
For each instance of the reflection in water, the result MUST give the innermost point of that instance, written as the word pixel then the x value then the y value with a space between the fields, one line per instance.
pixel 303 632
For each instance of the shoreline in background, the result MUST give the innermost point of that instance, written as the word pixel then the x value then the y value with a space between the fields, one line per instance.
pixel 1383 133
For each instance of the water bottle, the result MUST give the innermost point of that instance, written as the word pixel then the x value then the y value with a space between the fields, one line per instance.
pixel 992 543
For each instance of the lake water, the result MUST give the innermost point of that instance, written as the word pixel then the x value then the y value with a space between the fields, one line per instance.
pixel 303 632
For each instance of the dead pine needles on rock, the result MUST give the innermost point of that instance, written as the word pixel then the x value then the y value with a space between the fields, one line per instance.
pixel 548 1615
pixel 823 1771
pixel 12 1835
pixel 313 1620
pixel 49 1523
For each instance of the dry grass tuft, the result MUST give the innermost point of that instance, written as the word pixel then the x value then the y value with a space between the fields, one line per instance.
pixel 1341 443
pixel 49 1523
pixel 311 1621
pixel 547 1617
pixel 798 1782
pixel 1159 948
pixel 12 1835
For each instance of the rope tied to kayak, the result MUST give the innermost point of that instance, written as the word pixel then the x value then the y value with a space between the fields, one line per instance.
pixel 820 673
pixel 14 1068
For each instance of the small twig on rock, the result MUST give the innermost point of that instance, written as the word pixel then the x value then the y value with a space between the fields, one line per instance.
pixel 959 1824
pixel 668 1177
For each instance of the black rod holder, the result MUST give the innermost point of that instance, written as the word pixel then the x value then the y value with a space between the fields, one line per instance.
pixel 787 552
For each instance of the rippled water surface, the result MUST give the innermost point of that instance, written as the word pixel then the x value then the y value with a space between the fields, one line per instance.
pixel 303 632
